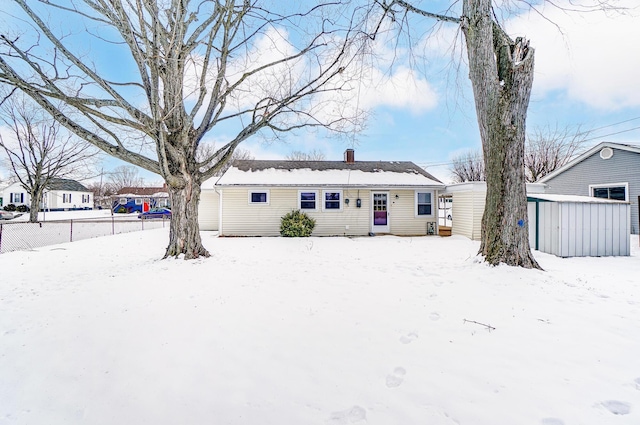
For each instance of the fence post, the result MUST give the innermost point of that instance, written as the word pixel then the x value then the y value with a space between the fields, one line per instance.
pixel 71 230
pixel 0 238
pixel 113 225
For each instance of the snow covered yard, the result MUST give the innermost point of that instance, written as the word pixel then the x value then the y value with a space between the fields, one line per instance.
pixel 315 331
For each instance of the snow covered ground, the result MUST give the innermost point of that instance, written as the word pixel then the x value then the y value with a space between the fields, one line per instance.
pixel 382 330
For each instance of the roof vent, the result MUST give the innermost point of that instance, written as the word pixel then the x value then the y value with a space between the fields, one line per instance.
pixel 606 153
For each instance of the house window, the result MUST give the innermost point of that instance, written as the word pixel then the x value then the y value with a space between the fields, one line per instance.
pixel 17 198
pixel 423 203
pixel 308 200
pixel 332 200
pixel 122 201
pixel 138 201
pixel 86 199
pixel 616 191
pixel 259 197
pixel 66 198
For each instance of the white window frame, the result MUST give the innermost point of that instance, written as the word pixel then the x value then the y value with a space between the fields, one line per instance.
pixel 122 200
pixel 599 186
pixel 317 200
pixel 15 196
pixel 415 203
pixel 252 191
pixel 66 198
pixel 341 201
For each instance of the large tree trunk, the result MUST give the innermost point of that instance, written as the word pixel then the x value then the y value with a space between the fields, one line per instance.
pixel 184 234
pixel 501 73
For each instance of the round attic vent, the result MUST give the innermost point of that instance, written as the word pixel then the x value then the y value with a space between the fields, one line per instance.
pixel 606 153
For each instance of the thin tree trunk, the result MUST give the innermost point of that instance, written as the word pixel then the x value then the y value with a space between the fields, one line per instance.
pixel 184 233
pixel 501 73
pixel 36 198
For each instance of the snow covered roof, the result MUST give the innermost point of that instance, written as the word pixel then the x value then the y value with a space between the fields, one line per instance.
pixel 327 173
pixel 133 192
pixel 573 198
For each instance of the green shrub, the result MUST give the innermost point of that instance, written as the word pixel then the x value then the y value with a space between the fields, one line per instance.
pixel 22 208
pixel 10 207
pixel 296 224
pixel 121 210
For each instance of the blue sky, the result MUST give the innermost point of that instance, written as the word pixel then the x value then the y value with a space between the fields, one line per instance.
pixel 586 75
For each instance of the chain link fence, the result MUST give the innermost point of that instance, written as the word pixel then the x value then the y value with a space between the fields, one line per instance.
pixel 23 236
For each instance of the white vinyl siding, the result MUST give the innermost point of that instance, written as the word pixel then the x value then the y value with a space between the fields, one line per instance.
pixel 467 208
pixel 209 210
pixel 402 214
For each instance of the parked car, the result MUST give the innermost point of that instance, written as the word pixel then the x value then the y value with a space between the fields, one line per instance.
pixel 6 215
pixel 156 213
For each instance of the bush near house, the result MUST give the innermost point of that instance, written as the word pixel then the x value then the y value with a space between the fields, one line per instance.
pixel 10 207
pixel 296 224
pixel 22 208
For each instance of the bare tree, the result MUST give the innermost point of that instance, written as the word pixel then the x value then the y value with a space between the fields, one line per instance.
pixel 549 148
pixel 39 151
pixel 238 155
pixel 501 74
pixel 314 155
pixel 124 176
pixel 253 67
pixel 468 167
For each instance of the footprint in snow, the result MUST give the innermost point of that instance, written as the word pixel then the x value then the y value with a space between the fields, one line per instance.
pixel 406 339
pixel 396 378
pixel 350 416
pixel 617 407
pixel 434 316
pixel 552 421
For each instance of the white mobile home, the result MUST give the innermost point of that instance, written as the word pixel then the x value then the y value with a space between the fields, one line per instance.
pixel 344 197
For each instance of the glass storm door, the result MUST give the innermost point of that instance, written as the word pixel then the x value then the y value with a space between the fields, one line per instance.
pixel 380 215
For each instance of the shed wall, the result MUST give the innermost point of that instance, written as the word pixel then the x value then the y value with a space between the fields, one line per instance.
pixel 570 229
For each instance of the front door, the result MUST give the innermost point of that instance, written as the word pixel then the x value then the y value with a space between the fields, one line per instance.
pixel 380 212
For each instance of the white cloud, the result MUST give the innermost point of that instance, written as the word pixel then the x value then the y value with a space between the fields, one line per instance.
pixel 594 60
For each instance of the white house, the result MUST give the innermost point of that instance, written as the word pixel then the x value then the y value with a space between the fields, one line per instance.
pixel 344 197
pixel 60 195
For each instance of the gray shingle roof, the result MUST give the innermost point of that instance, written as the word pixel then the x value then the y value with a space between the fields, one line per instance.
pixel 66 184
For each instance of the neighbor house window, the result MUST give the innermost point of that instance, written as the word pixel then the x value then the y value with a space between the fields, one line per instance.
pixel 17 198
pixel 259 197
pixel 138 201
pixel 332 200
pixel 424 203
pixel 308 200
pixel 122 201
pixel 66 197
pixel 616 191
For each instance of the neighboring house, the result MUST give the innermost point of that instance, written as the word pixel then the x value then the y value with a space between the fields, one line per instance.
pixel 139 199
pixel 344 197
pixel 608 170
pixel 60 195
